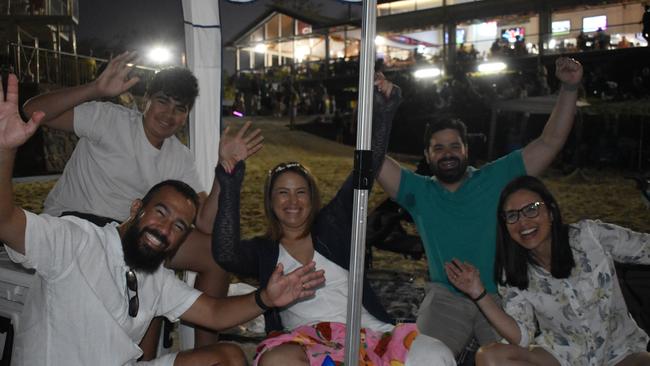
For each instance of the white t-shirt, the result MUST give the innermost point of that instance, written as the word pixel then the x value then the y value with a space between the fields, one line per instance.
pixel 329 304
pixel 76 311
pixel 114 163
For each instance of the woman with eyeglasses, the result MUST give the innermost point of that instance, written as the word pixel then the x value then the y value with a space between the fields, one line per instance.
pixel 562 304
pixel 312 332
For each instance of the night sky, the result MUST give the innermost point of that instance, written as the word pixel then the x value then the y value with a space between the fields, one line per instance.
pixel 139 23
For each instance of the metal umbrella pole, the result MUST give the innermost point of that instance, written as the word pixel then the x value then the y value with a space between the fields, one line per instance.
pixel 363 176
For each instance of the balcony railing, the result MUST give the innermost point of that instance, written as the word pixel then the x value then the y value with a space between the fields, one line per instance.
pixel 616 36
pixel 40 7
pixel 39 65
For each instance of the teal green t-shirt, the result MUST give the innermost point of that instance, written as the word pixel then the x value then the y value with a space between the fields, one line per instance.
pixel 460 224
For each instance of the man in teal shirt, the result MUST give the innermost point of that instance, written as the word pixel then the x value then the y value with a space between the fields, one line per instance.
pixel 455 210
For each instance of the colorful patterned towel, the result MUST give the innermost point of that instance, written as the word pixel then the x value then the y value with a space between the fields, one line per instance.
pixel 324 344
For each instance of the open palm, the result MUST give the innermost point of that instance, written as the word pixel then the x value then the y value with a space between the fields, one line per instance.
pixel 13 131
pixel 233 149
pixel 115 80
pixel 284 289
pixel 465 277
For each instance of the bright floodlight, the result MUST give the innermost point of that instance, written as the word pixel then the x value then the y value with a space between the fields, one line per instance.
pixel 380 41
pixel 260 48
pixel 302 52
pixel 431 72
pixel 490 67
pixel 160 55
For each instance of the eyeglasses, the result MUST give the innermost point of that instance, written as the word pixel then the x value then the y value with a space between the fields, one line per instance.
pixel 285 166
pixel 530 211
pixel 132 285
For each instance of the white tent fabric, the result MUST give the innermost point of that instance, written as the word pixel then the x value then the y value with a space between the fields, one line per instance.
pixel 203 53
pixel 203 57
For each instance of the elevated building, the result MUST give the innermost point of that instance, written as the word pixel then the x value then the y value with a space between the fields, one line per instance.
pixel 435 31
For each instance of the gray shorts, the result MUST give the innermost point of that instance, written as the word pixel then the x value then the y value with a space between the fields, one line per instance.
pixel 453 318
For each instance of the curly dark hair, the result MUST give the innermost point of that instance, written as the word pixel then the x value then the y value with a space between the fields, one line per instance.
pixel 175 82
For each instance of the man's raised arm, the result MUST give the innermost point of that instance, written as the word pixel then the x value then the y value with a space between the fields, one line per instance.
pixel 389 176
pixel 539 153
pixel 59 105
pixel 13 133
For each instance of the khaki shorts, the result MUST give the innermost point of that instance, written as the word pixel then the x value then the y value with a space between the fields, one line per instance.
pixel 454 319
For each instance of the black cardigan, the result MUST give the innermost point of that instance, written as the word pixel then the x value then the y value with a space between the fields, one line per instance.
pixel 331 231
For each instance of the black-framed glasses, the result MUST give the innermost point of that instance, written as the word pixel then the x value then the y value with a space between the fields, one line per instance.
pixel 132 285
pixel 530 211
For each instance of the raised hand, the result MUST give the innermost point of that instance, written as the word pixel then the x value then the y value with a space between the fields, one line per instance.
pixel 284 289
pixel 114 80
pixel 233 149
pixel 13 131
pixel 464 277
pixel 568 71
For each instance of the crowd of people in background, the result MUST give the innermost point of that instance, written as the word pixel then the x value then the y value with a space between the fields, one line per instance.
pixel 258 95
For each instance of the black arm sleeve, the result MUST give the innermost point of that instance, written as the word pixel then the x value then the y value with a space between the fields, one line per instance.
pixel 233 254
pixel 384 110
pixel 338 211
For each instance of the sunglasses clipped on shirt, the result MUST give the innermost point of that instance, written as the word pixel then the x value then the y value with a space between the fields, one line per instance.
pixel 132 285
pixel 530 211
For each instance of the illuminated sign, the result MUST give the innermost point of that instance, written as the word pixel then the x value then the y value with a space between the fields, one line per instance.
pixel 561 27
pixel 591 24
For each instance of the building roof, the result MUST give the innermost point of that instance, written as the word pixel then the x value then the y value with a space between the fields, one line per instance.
pixel 458 13
pixel 478 10
pixel 317 22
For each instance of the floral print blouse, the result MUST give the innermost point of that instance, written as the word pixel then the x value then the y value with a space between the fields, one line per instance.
pixel 583 319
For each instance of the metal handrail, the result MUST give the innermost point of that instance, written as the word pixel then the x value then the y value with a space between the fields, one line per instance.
pixel 571 33
pixel 42 8
pixel 41 65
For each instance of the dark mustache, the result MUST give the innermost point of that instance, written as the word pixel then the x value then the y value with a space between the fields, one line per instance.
pixel 157 234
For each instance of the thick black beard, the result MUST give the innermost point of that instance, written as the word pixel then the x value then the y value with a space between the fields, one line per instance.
pixel 139 256
pixel 449 176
